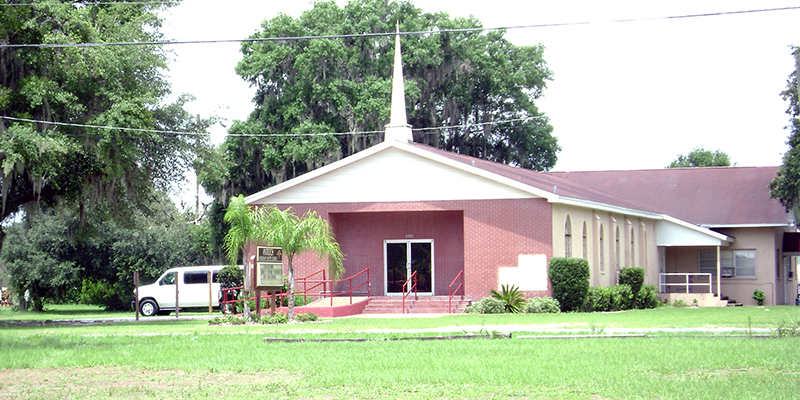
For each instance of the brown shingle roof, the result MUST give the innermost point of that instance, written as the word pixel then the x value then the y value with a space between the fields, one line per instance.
pixel 703 196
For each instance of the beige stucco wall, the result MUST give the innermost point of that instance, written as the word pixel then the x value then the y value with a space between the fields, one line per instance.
pixel 644 254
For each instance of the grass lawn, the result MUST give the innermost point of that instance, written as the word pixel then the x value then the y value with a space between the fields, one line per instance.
pixel 190 359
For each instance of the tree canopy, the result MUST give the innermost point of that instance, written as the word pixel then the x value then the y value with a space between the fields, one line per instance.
pixel 89 146
pixel 468 92
pixel 48 95
pixel 786 185
pixel 57 260
pixel 700 157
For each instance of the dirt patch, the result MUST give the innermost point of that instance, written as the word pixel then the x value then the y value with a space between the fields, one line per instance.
pixel 126 383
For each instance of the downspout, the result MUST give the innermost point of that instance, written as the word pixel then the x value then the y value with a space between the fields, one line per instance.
pixel 719 276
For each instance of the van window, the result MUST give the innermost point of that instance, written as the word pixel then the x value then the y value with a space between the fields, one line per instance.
pixel 168 279
pixel 190 277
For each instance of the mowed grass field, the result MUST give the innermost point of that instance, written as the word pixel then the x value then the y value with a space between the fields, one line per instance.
pixel 190 359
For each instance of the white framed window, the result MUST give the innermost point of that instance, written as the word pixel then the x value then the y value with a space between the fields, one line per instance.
pixel 733 263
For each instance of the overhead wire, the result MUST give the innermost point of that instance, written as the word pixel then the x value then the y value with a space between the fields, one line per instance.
pixel 90 3
pixel 380 34
pixel 186 133
pixel 294 38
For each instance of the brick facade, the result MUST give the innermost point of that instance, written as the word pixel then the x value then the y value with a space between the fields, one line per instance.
pixel 478 236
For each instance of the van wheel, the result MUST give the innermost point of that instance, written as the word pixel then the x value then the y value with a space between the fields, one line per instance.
pixel 148 308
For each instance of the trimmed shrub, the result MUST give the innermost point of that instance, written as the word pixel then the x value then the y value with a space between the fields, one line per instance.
pixel 598 299
pixel 540 305
pixel 230 277
pixel 570 280
pixel 633 277
pixel 611 298
pixel 487 305
pixel 514 299
pixel 648 297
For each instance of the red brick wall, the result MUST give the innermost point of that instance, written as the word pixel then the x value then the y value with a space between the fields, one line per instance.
pixel 361 236
pixel 493 234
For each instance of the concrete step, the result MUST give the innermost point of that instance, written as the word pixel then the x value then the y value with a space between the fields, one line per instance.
pixel 423 305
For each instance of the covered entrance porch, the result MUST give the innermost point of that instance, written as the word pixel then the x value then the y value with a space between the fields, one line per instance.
pixel 403 247
pixel 690 263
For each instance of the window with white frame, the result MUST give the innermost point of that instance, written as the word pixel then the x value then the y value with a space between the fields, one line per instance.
pixel 733 263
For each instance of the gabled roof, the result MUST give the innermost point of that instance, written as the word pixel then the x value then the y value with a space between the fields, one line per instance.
pixel 714 197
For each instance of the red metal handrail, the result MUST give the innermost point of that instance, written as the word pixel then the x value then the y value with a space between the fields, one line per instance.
pixel 305 280
pixel 452 292
pixel 414 288
pixel 314 283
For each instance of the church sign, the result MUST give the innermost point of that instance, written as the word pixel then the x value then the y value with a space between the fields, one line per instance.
pixel 269 268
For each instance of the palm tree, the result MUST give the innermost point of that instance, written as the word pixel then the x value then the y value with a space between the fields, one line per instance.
pixel 297 235
pixel 242 222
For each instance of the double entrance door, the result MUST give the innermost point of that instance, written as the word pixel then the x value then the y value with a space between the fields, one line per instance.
pixel 402 258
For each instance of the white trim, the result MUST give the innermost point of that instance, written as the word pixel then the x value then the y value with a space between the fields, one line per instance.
pixel 745 225
pixel 697 228
pixel 477 171
pixel 408 260
pixel 258 197
pixel 570 201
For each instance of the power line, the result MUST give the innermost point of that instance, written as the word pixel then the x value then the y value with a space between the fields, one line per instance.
pixel 119 128
pixel 380 34
pixel 101 126
pixel 84 4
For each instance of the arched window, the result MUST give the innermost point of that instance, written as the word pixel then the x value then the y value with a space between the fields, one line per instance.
pixel 568 238
pixel 633 251
pixel 602 251
pixel 585 251
pixel 616 250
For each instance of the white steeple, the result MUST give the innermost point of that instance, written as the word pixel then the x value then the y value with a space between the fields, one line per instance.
pixel 398 127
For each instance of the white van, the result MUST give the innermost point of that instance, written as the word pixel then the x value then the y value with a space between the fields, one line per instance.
pixel 159 298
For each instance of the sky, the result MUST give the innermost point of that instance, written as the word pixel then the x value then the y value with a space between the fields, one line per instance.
pixel 625 95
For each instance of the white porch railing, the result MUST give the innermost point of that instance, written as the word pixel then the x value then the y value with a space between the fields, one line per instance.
pixel 684 282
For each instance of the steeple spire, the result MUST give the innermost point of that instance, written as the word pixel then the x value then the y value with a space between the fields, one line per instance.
pixel 398 127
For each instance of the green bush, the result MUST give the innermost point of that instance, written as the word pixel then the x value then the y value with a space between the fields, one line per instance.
pixel 100 292
pixel 278 318
pixel 648 297
pixel 611 298
pixel 514 299
pixel 486 305
pixel 540 305
pixel 598 299
pixel 759 297
pixel 307 317
pixel 633 277
pixel 230 277
pixel 570 280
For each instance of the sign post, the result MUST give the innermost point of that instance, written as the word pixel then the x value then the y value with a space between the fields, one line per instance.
pixel 269 270
pixel 136 297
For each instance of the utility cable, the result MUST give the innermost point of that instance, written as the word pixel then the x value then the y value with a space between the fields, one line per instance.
pixel 119 128
pixel 380 34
